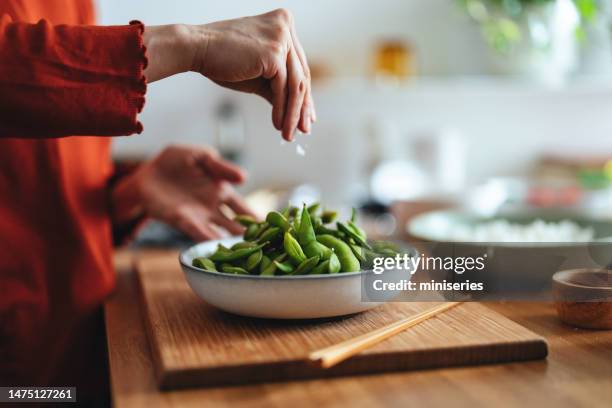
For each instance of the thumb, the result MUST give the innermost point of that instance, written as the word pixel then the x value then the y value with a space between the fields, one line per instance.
pixel 218 168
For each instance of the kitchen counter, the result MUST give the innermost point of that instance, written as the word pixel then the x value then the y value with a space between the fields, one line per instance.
pixel 577 372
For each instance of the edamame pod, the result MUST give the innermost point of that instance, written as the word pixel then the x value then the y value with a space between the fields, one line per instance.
pixel 321 268
pixel 370 256
pixel 277 219
pixel 245 220
pixel 313 208
pixel 352 234
pixel 328 216
pixel 358 252
pixel 228 256
pixel 235 270
pixel 322 229
pixel 271 268
pixel 263 227
pixel 380 246
pixel 293 211
pixel 264 263
pixel 284 267
pixel 293 248
pixel 334 264
pixel 221 250
pixel 348 261
pixel 296 223
pixel 251 232
pixel 356 229
pixel 315 248
pixel 253 260
pixel 241 245
pixel 270 235
pixel 204 263
pixel 306 233
pixel 387 253
pixel 306 266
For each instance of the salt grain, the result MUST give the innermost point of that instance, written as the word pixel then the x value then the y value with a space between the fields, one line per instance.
pixel 300 150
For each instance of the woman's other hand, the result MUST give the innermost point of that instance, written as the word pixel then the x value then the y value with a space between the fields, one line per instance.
pixel 260 54
pixel 185 187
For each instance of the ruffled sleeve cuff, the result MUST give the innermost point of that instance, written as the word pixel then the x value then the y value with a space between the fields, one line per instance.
pixel 71 80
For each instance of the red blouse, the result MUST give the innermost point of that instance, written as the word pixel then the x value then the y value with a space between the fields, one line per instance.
pixel 59 77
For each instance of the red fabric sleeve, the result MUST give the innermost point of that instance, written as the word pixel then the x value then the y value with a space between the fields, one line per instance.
pixel 124 233
pixel 70 80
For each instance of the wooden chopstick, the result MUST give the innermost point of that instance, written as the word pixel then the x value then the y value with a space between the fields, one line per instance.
pixel 332 355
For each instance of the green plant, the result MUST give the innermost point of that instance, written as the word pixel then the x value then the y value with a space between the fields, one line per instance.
pixel 499 19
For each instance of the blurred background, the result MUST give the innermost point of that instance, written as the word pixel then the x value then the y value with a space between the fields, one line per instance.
pixel 480 104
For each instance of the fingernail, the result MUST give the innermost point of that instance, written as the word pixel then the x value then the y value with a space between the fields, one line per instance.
pixel 307 123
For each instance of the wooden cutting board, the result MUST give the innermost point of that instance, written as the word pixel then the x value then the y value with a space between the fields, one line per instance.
pixel 194 344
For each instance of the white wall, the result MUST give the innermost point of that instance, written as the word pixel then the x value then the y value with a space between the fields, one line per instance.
pixel 341 32
pixel 506 125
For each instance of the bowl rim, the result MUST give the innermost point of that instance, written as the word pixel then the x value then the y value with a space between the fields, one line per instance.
pixel 409 227
pixel 560 277
pixel 187 266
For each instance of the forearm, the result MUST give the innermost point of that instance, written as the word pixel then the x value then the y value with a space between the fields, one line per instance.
pixel 49 89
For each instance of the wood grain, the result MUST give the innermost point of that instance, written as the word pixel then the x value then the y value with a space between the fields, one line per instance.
pixel 577 372
pixel 334 354
pixel 194 344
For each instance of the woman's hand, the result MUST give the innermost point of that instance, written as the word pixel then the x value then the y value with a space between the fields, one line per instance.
pixel 184 187
pixel 260 54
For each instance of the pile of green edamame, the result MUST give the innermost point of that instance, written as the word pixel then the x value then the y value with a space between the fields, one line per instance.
pixel 297 242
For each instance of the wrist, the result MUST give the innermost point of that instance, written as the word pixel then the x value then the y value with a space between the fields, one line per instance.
pixel 199 39
pixel 126 199
pixel 169 50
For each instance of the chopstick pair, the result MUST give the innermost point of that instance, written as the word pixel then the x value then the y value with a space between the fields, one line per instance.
pixel 329 356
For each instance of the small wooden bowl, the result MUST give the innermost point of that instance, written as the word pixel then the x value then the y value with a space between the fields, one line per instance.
pixel 583 297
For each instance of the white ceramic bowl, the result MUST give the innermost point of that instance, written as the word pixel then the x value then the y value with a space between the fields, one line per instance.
pixel 517 267
pixel 280 297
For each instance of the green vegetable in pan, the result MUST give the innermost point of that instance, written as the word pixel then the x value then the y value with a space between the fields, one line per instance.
pixel 328 217
pixel 271 234
pixel 245 220
pixel 232 255
pixel 293 248
pixel 253 260
pixel 236 270
pixel 297 241
pixel 284 267
pixel 307 265
pixel 316 248
pixel 204 263
pixel 334 265
pixel 348 261
pixel 320 269
pixel 306 233
pixel 278 220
